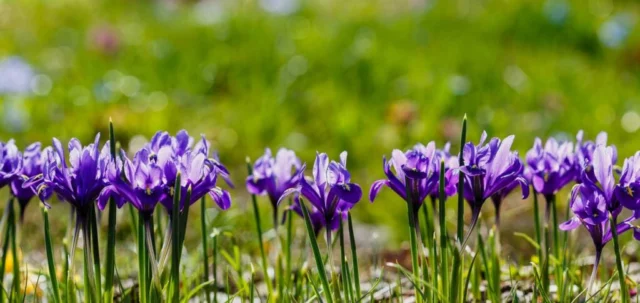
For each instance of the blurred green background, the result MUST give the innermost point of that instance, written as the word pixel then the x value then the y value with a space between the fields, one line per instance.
pixel 326 75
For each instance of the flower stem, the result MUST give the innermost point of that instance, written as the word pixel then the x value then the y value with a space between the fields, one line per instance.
pixel 413 239
pixel 5 242
pixel 88 258
pixel 14 254
pixel 594 272
pixel 444 261
pixel 205 256
pixel 354 257
pixel 111 233
pixel 316 253
pixel 263 256
pixel 624 294
pixel 50 261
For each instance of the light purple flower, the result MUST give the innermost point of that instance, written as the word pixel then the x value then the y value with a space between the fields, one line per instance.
pixel 10 162
pixel 585 149
pixel 32 165
pixel 552 167
pixel 273 176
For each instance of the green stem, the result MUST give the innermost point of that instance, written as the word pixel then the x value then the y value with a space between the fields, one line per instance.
pixel 88 258
pixel 288 249
pixel 95 249
pixel 463 138
pixel 215 269
pixel 414 249
pixel 14 254
pixel 205 259
pixel 354 257
pixel 5 242
pixel 343 265
pixel 50 261
pixel 70 275
pixel 256 216
pixel 444 262
pixel 111 233
pixel 316 253
pixel 624 294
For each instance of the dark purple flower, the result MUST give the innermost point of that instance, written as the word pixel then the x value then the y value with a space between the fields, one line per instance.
pixel 78 183
pixel 10 162
pixel 330 193
pixel 552 167
pixel 489 169
pixel 420 167
pixel 272 176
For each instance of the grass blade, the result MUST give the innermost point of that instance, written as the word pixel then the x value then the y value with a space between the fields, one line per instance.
pixel 205 255
pixel 111 232
pixel 50 261
pixel 354 257
pixel 256 214
pixel 316 252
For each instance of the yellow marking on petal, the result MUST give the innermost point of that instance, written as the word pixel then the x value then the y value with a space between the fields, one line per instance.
pixel 546 177
pixel 629 191
pixel 172 191
pixel 148 190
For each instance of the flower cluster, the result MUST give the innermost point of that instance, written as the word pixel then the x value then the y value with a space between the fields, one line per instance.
pixel 92 176
pixel 150 178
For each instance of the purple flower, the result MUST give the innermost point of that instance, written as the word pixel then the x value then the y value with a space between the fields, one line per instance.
pixel 552 167
pixel 31 166
pixel 330 193
pixel 199 172
pixel 489 169
pixel 272 176
pixel 585 149
pixel 78 183
pixel 420 167
pixel 141 182
pixel 598 196
pixel 10 162
pixel 627 191
pixel 589 207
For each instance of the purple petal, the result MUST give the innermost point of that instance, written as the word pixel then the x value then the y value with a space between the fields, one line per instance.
pixel 256 186
pixel 221 197
pixel 375 189
pixel 351 192
pixel 602 169
pixel 572 224
pixel 320 169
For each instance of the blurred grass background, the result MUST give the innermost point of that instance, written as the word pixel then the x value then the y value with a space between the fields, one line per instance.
pixel 361 76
